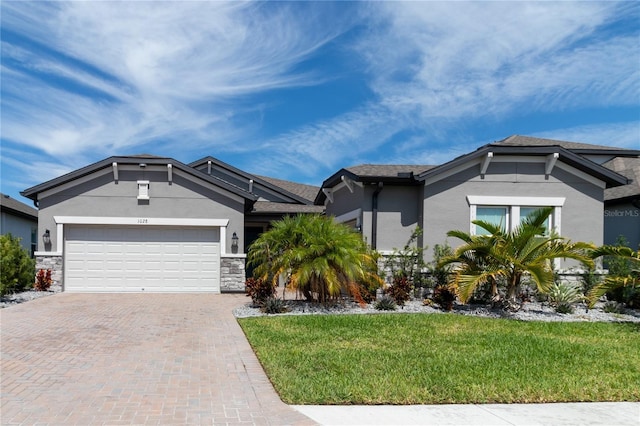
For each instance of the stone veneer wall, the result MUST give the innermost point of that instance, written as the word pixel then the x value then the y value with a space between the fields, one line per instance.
pixel 55 264
pixel 232 274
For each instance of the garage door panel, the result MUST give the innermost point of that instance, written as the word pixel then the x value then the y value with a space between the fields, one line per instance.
pixel 133 259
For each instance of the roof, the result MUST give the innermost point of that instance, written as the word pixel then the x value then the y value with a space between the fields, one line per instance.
pixel 581 148
pixel 308 192
pixel 404 174
pixel 267 182
pixel 569 157
pixel 272 207
pixel 388 170
pixel 629 167
pixel 16 207
pixel 33 192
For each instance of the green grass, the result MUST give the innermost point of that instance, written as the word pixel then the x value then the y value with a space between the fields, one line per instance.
pixel 437 359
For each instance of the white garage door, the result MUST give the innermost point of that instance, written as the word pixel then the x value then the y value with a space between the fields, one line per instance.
pixel 135 259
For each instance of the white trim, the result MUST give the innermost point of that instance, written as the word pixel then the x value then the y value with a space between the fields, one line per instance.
pixel 328 193
pixel 551 161
pixel 47 253
pixel 139 221
pixel 170 173
pixel 59 237
pixel 490 200
pixel 234 256
pixel 485 164
pixel 143 190
pixel 460 168
pixel 223 240
pixel 348 182
pixel 115 171
pixel 353 214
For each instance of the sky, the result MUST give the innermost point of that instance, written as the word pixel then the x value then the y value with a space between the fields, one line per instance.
pixel 298 90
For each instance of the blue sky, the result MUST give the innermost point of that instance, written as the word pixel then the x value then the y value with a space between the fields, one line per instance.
pixel 298 90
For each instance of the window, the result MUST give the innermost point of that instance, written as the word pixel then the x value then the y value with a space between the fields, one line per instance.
pixel 526 211
pixel 509 212
pixel 495 215
pixel 34 241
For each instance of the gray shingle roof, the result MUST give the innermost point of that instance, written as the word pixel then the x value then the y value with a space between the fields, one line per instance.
pixel 308 192
pixel 387 170
pixel 629 167
pixel 518 140
pixel 271 207
pixel 7 202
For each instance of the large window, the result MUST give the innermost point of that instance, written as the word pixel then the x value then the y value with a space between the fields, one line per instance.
pixel 509 212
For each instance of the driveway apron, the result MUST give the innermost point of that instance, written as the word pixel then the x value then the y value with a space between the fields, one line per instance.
pixel 133 359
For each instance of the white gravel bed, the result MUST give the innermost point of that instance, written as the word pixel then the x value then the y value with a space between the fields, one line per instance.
pixel 24 296
pixel 531 311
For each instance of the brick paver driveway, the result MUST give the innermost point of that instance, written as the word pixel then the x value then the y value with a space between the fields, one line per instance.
pixel 133 359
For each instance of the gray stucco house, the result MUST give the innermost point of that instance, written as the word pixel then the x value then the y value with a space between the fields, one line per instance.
pixel 19 220
pixel 146 223
pixel 500 182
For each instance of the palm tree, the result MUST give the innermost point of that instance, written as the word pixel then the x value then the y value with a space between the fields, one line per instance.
pixel 629 279
pixel 508 256
pixel 319 256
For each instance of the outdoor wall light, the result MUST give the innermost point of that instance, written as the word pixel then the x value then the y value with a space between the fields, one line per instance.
pixel 234 243
pixel 46 237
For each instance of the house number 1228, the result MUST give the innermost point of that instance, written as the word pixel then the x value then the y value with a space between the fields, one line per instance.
pixel 143 220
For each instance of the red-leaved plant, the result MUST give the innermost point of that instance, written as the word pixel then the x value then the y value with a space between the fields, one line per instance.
pixel 43 280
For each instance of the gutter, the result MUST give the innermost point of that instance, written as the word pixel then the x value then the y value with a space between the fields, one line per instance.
pixel 374 217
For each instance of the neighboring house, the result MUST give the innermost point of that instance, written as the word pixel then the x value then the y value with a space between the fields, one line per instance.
pixel 500 182
pixel 146 223
pixel 622 204
pixel 19 220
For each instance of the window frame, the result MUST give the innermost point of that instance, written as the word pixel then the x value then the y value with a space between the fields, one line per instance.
pixel 513 205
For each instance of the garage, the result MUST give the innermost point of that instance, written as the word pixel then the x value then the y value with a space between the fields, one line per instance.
pixel 102 258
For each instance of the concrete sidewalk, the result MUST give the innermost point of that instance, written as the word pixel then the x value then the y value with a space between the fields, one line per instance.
pixel 587 413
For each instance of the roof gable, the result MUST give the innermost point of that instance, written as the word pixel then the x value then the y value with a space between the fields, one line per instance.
pixel 16 207
pixel 278 190
pixel 141 161
pixel 579 162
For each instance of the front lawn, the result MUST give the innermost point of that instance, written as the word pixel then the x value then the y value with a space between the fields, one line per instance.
pixel 437 359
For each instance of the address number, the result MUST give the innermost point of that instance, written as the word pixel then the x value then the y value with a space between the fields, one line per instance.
pixel 143 220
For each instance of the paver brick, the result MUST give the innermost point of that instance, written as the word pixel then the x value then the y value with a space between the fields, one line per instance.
pixel 133 359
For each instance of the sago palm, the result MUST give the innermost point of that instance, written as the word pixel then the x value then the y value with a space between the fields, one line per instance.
pixel 629 280
pixel 319 256
pixel 508 256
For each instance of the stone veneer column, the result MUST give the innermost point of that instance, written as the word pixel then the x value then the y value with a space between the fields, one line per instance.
pixel 53 262
pixel 232 273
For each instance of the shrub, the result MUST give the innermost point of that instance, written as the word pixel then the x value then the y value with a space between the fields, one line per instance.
pixel 259 290
pixel 400 290
pixel 386 303
pixel 43 280
pixel 563 296
pixel 273 305
pixel 17 269
pixel 444 295
pixel 613 307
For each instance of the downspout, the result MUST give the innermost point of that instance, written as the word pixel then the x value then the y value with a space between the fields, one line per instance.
pixel 374 215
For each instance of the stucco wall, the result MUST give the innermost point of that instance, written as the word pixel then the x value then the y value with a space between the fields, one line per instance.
pixel 446 207
pixel 103 197
pixel 18 227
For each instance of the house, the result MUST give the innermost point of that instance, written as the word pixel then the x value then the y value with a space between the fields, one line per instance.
pixel 153 224
pixel 19 220
pixel 500 182
pixel 622 204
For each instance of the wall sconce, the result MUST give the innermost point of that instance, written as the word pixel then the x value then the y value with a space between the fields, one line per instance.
pixel 234 243
pixel 46 237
